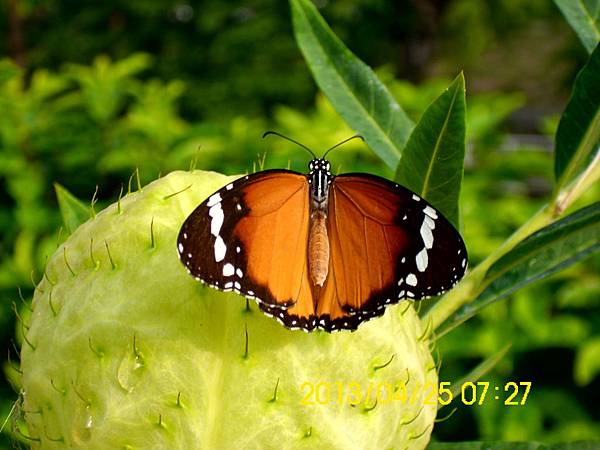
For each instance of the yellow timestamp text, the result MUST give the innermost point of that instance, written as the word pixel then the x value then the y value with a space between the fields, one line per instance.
pixel 511 393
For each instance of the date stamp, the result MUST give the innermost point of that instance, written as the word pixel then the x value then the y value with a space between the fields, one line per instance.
pixel 511 393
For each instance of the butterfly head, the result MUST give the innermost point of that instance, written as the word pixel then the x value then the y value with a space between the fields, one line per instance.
pixel 321 165
pixel 319 178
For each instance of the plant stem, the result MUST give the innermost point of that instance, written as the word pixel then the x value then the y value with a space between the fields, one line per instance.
pixel 581 185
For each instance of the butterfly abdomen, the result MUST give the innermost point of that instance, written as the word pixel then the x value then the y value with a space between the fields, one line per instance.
pixel 318 248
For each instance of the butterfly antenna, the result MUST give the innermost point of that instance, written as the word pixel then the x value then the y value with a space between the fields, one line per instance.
pixel 356 136
pixel 267 133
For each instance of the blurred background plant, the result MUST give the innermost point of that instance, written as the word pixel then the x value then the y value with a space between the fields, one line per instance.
pixel 89 94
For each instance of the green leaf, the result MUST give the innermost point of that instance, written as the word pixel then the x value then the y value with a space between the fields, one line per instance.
pixel 541 254
pixel 105 84
pixel 581 445
pixel 587 361
pixel 578 134
pixel 74 212
pixel 432 162
pixel 351 86
pixel 584 18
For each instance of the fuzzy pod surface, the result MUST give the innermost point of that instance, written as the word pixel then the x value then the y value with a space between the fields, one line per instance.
pixel 126 350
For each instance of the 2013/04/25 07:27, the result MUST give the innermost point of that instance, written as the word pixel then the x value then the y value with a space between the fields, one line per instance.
pixel 471 393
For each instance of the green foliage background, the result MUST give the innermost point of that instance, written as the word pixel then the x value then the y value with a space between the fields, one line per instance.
pixel 90 93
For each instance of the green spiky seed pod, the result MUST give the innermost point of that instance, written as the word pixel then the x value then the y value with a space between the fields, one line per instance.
pixel 126 350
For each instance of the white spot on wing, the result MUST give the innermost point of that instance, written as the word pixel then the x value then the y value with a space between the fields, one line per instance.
pixel 228 270
pixel 216 212
pixel 214 199
pixel 430 212
pixel 180 247
pixel 422 260
pixel 229 186
pixel 427 235
pixel 411 279
pixel 220 249
pixel 415 198
pixel 239 273
pixel 430 222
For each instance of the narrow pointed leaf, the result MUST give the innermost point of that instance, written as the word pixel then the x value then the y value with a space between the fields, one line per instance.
pixel 584 18
pixel 578 134
pixel 351 86
pixel 543 253
pixel 74 212
pixel 432 162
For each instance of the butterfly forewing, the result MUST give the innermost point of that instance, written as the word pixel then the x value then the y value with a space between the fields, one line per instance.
pixel 250 237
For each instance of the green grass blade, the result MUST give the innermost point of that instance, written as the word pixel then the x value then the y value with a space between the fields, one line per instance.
pixel 74 212
pixel 351 86
pixel 432 162
pixel 578 134
pixel 543 253
pixel 584 18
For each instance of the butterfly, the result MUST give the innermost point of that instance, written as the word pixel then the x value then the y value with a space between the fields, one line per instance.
pixel 318 251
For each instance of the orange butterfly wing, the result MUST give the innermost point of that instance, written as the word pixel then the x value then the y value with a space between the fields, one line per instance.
pixel 386 244
pixel 251 237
